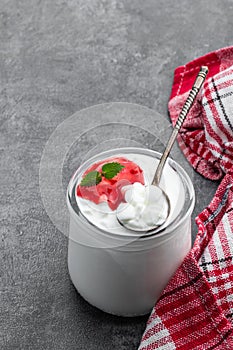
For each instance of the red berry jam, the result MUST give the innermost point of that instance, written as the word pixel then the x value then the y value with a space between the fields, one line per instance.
pixel 109 190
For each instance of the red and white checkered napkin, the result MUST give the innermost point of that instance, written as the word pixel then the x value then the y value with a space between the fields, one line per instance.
pixel 195 311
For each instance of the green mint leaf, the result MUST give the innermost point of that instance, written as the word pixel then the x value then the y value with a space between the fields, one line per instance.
pixel 109 170
pixel 91 179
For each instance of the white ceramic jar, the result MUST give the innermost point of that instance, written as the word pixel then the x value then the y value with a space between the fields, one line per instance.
pixel 123 272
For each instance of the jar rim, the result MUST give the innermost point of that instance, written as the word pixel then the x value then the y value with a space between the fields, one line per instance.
pixel 158 233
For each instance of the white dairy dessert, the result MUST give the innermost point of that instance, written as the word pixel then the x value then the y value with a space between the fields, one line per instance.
pixel 104 218
pixel 115 269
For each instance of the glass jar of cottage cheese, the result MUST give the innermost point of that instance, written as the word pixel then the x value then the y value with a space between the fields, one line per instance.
pixel 119 271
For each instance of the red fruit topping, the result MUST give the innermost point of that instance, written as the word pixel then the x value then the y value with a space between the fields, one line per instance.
pixel 109 190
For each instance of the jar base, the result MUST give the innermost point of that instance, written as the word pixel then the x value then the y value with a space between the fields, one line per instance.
pixel 108 310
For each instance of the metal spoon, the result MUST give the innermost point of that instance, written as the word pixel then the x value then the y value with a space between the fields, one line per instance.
pixel 154 189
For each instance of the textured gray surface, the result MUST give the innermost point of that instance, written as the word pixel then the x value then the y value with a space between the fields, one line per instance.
pixel 58 57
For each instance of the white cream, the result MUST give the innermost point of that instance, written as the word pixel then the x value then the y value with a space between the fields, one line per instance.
pixel 146 207
pixel 106 219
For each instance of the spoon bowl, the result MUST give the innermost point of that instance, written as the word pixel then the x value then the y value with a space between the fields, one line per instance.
pixel 151 210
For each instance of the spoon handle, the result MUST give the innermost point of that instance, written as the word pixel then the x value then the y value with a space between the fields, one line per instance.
pixel 183 114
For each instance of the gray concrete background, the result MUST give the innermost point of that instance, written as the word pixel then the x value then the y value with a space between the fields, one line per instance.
pixel 56 58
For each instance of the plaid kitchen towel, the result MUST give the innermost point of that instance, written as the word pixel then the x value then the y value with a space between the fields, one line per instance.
pixel 195 311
